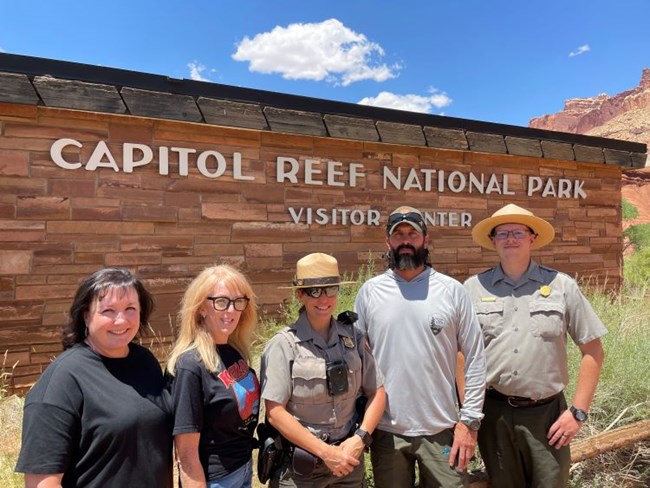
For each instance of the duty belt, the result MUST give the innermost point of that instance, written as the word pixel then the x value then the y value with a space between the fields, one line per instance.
pixel 520 402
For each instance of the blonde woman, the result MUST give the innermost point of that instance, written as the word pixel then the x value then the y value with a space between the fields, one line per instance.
pixel 215 392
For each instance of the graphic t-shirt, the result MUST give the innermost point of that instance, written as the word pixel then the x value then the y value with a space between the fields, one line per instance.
pixel 222 406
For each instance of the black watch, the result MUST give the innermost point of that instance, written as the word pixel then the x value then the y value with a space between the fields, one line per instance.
pixel 578 414
pixel 365 437
pixel 472 424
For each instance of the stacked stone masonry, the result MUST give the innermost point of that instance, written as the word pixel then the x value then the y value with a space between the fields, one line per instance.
pixel 58 225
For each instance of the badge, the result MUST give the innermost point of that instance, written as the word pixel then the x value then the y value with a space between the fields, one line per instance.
pixel 435 328
pixel 348 342
pixel 545 290
pixel 488 299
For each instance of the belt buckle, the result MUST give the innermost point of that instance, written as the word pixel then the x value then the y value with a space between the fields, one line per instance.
pixel 510 402
pixel 521 403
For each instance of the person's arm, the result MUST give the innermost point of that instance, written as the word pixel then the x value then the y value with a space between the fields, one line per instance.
pixel 43 480
pixel 338 461
pixel 471 350
pixel 189 465
pixel 566 426
pixel 374 410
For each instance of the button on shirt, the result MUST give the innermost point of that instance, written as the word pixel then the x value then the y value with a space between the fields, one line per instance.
pixel 293 373
pixel 525 326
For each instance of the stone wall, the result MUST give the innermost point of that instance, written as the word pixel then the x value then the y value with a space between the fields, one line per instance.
pixel 66 212
pixel 59 225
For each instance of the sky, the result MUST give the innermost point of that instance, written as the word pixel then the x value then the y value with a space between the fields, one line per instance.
pixel 502 61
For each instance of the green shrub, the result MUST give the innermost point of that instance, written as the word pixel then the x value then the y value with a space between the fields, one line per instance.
pixel 629 210
pixel 639 235
pixel 636 269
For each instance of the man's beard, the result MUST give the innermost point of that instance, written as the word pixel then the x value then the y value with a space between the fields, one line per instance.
pixel 404 262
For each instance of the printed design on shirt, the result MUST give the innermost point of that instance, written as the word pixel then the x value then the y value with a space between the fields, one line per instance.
pixel 245 387
pixel 436 326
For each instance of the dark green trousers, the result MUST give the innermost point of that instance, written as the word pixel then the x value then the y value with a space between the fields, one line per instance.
pixel 515 449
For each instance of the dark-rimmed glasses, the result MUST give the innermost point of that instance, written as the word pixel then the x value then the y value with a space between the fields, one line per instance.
pixel 316 292
pixel 519 234
pixel 414 217
pixel 222 304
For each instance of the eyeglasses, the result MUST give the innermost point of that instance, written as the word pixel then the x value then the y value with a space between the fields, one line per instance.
pixel 221 304
pixel 330 291
pixel 502 235
pixel 414 217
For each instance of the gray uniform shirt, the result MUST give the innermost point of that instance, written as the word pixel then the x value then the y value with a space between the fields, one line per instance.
pixel 293 373
pixel 525 327
pixel 415 329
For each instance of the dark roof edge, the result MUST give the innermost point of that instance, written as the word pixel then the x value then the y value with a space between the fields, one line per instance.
pixel 34 66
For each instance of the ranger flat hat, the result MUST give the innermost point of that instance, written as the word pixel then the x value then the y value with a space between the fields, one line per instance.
pixel 317 270
pixel 513 214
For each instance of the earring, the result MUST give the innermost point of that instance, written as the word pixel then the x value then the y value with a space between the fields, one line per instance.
pixel 86 332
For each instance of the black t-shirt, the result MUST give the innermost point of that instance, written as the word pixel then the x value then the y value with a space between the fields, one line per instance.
pixel 102 422
pixel 223 407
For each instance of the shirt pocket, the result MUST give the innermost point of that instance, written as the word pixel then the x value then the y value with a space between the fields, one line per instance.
pixel 309 381
pixel 490 316
pixel 353 361
pixel 547 318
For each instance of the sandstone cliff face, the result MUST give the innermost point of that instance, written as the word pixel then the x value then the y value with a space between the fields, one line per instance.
pixel 623 116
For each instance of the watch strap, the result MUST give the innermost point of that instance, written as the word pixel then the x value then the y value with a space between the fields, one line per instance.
pixel 365 437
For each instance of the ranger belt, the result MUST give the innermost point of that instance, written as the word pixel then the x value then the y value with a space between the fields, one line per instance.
pixel 519 402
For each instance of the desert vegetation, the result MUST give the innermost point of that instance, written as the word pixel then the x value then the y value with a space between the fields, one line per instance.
pixel 623 395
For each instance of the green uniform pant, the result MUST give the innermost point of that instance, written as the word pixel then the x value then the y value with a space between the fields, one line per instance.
pixel 394 458
pixel 514 447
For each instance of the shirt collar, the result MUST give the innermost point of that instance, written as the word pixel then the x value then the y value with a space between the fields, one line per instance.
pixel 533 273
pixel 305 333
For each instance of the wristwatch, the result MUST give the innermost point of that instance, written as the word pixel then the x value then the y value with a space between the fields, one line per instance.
pixel 365 437
pixel 472 424
pixel 578 414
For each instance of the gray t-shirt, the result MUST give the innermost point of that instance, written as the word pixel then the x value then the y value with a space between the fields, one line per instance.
pixel 415 329
pixel 525 326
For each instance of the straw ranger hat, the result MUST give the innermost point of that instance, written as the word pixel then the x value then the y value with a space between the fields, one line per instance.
pixel 512 214
pixel 317 270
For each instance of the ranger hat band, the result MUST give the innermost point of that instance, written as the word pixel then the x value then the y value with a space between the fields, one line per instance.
pixel 316 270
pixel 406 215
pixel 513 214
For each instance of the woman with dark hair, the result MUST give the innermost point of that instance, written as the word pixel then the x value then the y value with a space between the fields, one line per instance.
pixel 98 416
pixel 313 373
pixel 214 390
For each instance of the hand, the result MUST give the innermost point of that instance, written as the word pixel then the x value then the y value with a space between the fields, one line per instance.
pixel 563 430
pixel 463 446
pixel 339 462
pixel 354 446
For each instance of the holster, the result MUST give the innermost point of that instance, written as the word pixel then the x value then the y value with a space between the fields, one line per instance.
pixel 271 451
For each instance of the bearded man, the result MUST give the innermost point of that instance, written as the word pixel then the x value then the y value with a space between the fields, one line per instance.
pixel 416 320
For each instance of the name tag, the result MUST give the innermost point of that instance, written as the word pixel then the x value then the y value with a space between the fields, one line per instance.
pixel 488 299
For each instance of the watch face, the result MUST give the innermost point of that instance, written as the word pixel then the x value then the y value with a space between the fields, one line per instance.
pixel 579 415
pixel 473 424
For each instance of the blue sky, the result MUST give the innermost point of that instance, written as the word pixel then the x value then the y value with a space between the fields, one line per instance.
pixel 502 61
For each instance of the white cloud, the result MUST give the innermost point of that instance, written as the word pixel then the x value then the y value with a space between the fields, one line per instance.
pixel 410 102
pixel 324 51
pixel 196 69
pixel 580 50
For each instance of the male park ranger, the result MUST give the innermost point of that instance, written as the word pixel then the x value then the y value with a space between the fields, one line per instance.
pixel 525 311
